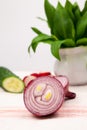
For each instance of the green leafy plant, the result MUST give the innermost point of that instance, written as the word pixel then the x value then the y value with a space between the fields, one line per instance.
pixel 67 24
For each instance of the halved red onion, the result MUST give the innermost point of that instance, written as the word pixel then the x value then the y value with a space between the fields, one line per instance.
pixel 65 82
pixel 43 96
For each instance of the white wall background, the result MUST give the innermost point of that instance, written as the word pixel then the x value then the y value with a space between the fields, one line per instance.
pixel 16 19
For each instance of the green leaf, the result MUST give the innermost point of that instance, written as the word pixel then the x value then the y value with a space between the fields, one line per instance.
pixel 77 15
pixel 49 11
pixel 36 30
pixel 56 45
pixel 42 19
pixel 82 41
pixel 68 43
pixel 76 12
pixel 38 39
pixel 81 26
pixel 85 33
pixel 69 8
pixel 85 8
pixel 53 41
pixel 63 27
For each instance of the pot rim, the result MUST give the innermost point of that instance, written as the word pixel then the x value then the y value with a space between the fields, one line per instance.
pixel 74 50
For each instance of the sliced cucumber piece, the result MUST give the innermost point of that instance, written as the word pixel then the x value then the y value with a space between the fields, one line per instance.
pixel 13 84
pixel 10 81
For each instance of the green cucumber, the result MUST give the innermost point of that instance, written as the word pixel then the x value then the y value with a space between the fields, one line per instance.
pixel 10 81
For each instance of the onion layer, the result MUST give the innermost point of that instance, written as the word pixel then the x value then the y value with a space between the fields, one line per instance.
pixel 65 83
pixel 43 96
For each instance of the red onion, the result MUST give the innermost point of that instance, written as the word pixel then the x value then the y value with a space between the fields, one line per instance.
pixel 27 79
pixel 63 79
pixel 43 96
pixel 32 76
pixel 65 82
pixel 41 74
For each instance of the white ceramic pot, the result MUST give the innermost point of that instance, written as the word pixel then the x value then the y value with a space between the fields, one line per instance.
pixel 73 64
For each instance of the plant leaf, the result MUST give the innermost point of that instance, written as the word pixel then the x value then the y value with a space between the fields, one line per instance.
pixel 49 11
pixel 68 43
pixel 85 8
pixel 36 30
pixel 85 33
pixel 69 8
pixel 42 19
pixel 81 26
pixel 63 27
pixel 76 12
pixel 56 45
pixel 82 41
pixel 38 39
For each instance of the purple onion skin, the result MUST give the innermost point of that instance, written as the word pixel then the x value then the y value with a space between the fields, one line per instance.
pixel 41 74
pixel 70 95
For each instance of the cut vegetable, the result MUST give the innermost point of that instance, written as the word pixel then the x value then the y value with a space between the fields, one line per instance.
pixel 61 78
pixel 32 76
pixel 65 82
pixel 27 79
pixel 43 96
pixel 10 81
pixel 13 84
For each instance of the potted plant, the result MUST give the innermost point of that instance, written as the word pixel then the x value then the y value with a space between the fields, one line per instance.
pixel 67 39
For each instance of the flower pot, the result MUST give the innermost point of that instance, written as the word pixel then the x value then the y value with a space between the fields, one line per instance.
pixel 73 64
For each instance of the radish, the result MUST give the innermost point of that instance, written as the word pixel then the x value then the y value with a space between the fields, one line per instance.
pixel 43 96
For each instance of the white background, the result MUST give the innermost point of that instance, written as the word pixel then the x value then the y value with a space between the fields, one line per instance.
pixel 16 19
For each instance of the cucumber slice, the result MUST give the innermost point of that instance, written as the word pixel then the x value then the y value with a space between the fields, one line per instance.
pixel 10 81
pixel 13 84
